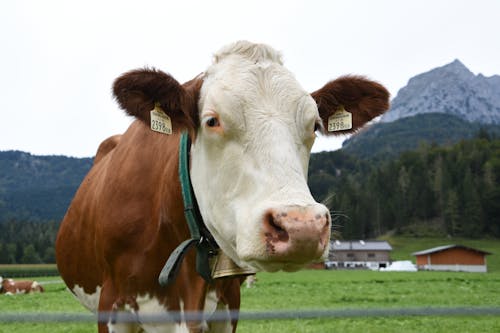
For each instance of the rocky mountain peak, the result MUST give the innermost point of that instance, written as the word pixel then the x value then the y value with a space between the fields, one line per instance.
pixel 456 67
pixel 451 89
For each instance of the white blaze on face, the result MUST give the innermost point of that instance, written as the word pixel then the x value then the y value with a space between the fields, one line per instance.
pixel 252 150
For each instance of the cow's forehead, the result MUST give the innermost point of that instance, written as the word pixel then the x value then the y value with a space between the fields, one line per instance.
pixel 263 88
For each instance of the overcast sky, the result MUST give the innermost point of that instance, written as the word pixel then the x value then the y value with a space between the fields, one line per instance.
pixel 58 59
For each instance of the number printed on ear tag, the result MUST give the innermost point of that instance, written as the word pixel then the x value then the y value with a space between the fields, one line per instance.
pixel 160 121
pixel 341 120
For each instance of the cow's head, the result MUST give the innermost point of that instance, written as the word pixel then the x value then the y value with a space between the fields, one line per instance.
pixel 253 127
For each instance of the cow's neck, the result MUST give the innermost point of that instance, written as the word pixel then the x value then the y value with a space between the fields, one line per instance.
pixel 206 246
pixel 192 213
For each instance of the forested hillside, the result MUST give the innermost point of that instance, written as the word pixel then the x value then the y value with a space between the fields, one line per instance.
pixel 35 192
pixel 387 140
pixel 38 188
pixel 433 190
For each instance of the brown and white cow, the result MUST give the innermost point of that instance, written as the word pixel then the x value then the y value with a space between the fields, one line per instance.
pixel 10 287
pixel 252 127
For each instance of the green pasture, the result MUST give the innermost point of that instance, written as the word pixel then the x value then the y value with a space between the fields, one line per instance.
pixel 315 290
pixel 311 290
pixel 374 290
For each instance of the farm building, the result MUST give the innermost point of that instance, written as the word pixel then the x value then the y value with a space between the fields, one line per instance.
pixel 452 258
pixel 359 254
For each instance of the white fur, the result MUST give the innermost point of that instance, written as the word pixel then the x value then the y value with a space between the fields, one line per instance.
pixel 212 304
pixel 90 301
pixel 268 122
pixel 151 305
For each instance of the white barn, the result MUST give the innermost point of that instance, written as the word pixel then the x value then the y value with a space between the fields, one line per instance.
pixel 359 254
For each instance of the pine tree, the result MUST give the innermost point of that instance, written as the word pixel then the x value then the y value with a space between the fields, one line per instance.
pixel 452 214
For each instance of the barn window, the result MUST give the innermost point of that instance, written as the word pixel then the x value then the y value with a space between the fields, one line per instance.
pixel 371 255
pixel 350 255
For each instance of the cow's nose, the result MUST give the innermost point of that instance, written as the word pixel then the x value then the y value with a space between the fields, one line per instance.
pixel 297 234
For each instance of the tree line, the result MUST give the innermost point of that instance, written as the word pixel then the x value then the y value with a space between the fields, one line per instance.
pixel 432 191
pixel 24 242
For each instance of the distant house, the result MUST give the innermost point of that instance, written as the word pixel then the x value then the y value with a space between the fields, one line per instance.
pixel 359 254
pixel 452 258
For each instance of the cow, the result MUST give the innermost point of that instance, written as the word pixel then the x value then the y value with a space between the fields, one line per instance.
pixel 10 287
pixel 245 127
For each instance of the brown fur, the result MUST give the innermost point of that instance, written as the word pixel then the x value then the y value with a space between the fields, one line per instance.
pixel 137 92
pixel 363 98
pixel 106 146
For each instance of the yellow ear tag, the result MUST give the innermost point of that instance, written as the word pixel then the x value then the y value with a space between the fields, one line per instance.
pixel 160 121
pixel 341 120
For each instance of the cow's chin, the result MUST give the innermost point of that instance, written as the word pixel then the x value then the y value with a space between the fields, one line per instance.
pixel 275 266
pixel 261 261
pixel 260 264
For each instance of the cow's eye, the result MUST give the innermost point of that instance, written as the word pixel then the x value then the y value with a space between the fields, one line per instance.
pixel 213 122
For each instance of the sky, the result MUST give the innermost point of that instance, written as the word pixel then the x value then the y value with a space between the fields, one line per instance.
pixel 59 58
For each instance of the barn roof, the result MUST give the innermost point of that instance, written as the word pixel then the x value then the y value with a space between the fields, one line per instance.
pixel 446 247
pixel 359 245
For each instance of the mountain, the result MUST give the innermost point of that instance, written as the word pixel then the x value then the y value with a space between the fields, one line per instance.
pixel 442 106
pixel 38 188
pixel 451 89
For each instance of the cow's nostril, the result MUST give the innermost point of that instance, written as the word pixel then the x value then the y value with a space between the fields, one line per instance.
pixel 274 228
pixel 273 224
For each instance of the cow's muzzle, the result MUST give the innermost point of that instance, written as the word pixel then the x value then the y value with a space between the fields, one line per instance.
pixel 296 234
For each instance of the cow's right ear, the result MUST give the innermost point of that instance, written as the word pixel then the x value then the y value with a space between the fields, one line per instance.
pixel 139 90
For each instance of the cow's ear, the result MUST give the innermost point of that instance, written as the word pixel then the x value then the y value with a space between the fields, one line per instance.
pixel 362 98
pixel 138 91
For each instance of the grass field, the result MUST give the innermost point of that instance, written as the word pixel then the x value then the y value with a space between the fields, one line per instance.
pixel 311 290
pixel 369 290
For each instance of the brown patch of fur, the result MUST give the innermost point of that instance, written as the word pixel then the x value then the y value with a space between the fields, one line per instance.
pixel 363 98
pixel 137 92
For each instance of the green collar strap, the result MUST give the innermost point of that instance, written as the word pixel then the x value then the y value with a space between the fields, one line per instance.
pixel 206 247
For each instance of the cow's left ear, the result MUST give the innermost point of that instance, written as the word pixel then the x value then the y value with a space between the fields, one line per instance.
pixel 362 98
pixel 138 91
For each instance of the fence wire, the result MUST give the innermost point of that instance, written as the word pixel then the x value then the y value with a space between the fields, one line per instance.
pixel 172 317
